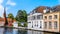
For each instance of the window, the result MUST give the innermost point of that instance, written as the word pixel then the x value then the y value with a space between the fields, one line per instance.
pixel 28 18
pixel 32 24
pixel 50 17
pixel 45 17
pixel 34 12
pixel 40 24
pixel 37 23
pixel 33 17
pixel 29 22
pixel 55 25
pixel 39 17
pixel 45 24
pixel 55 16
pixel 50 24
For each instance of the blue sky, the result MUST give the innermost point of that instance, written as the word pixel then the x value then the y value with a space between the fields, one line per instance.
pixel 12 6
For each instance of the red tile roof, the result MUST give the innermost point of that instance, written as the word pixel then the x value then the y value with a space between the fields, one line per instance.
pixel 40 9
pixel 1 19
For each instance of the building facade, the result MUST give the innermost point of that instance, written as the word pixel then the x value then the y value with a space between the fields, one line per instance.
pixel 2 21
pixel 52 21
pixel 35 19
pixel 15 24
pixel 46 20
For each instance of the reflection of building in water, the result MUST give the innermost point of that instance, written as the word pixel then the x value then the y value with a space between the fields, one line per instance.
pixel 22 31
pixel 8 31
pixel 1 30
pixel 38 32
pixel 48 33
pixel 34 32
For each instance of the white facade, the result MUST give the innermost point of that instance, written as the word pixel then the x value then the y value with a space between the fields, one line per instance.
pixel 15 24
pixel 35 21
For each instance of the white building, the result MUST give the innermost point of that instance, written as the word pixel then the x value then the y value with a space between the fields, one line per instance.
pixel 15 24
pixel 35 20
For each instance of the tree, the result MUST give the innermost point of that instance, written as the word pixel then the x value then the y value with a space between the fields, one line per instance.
pixel 25 24
pixel 21 16
pixel 10 15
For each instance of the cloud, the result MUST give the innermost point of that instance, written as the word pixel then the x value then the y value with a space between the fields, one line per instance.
pixel 1 1
pixel 1 8
pixel 9 2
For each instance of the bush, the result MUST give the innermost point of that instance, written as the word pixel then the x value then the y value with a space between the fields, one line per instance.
pixel 25 24
pixel 19 24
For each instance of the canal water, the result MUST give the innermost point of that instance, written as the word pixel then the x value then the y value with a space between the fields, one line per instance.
pixel 21 31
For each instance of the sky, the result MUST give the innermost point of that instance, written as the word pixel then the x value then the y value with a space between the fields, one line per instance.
pixel 12 6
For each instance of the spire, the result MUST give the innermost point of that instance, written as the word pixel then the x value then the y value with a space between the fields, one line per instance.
pixel 6 22
pixel 4 12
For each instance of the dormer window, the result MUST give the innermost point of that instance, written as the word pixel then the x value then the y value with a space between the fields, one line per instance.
pixel 34 11
pixel 47 10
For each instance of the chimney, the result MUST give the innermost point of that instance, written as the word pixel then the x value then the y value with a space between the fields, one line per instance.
pixel 44 11
pixel 50 11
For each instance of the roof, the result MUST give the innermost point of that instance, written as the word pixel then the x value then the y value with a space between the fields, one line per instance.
pixel 56 8
pixel 1 19
pixel 41 8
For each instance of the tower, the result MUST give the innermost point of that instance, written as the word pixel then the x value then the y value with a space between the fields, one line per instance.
pixel 6 22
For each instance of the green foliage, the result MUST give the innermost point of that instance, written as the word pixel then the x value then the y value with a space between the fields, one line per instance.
pixel 10 15
pixel 19 24
pixel 21 16
pixel 25 24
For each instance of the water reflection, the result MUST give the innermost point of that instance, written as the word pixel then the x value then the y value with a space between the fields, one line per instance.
pixel 34 32
pixel 15 31
pixel 19 31
pixel 1 30
pixel 22 31
pixel 8 31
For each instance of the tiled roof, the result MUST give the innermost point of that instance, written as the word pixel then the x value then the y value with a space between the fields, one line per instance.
pixel 41 8
pixel 56 8
pixel 1 19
